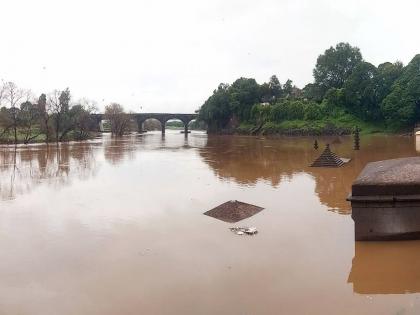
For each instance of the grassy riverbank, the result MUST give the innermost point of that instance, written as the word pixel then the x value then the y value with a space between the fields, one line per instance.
pixel 36 137
pixel 328 126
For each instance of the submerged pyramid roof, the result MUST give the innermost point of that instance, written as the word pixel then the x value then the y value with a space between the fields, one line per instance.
pixel 328 159
pixel 233 211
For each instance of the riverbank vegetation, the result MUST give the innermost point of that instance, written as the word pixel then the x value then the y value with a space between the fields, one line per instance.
pixel 49 118
pixel 347 92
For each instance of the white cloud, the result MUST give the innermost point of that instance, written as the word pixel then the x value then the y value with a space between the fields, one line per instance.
pixel 165 55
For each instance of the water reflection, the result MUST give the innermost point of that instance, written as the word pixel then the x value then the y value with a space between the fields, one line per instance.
pixel 116 150
pixel 134 227
pixel 248 160
pixel 23 168
pixel 244 160
pixel 386 267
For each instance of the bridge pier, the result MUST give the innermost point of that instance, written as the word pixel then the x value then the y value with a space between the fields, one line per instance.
pixel 140 126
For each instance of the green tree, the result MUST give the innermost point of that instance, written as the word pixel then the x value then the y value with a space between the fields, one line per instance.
pixel 313 91
pixel 261 113
pixel 387 74
pixel 12 96
pixel 401 107
pixel 244 93
pixel 288 88
pixel 44 116
pixel 6 121
pixel 59 103
pixel 118 118
pixel 79 122
pixel 29 119
pixel 271 91
pixel 360 95
pixel 314 111
pixel 216 110
pixel 336 65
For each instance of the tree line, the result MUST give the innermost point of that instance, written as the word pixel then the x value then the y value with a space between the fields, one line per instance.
pixel 345 85
pixel 51 117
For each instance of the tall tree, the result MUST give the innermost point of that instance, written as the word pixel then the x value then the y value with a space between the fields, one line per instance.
pixel 216 110
pixel 313 91
pixel 44 113
pixel 6 122
pixel 59 102
pixel 12 96
pixel 271 91
pixel 29 117
pixel 244 93
pixel 387 74
pixel 401 108
pixel 118 118
pixel 288 88
pixel 360 92
pixel 336 65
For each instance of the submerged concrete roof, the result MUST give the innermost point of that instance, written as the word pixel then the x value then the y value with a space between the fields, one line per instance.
pixel 328 159
pixel 233 211
pixel 389 177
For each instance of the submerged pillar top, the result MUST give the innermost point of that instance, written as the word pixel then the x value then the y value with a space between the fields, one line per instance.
pixel 395 177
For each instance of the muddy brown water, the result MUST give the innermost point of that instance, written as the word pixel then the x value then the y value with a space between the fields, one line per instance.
pixel 117 227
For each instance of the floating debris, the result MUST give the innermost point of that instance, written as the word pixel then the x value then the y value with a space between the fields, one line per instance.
pixel 244 230
pixel 233 211
pixel 329 159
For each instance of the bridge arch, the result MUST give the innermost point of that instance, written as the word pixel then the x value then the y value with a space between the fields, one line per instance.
pixel 150 124
pixel 175 123
pixel 164 117
pixel 140 118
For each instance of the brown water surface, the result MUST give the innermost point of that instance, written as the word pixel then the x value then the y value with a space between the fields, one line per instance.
pixel 117 227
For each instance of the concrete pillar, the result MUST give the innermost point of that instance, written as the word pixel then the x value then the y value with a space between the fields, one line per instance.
pixel 163 124
pixel 140 126
pixel 186 128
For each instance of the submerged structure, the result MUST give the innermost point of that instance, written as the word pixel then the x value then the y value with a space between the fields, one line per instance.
pixel 385 200
pixel 329 159
pixel 233 211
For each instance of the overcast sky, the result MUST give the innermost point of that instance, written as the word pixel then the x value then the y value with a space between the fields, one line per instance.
pixel 168 56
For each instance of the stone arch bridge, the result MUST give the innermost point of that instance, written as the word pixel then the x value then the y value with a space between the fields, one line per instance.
pixel 140 118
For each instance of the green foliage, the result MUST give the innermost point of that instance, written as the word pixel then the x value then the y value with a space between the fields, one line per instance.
pixel 175 124
pixel 271 91
pixel 244 93
pixel 216 111
pixel 336 65
pixel 48 118
pixel 315 111
pixel 313 91
pixel 360 92
pixel 401 107
pixel 346 90
pixel 260 113
pixel 334 102
pixel 387 74
pixel 236 102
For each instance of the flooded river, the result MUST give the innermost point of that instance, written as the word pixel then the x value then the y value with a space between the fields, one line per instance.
pixel 117 227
